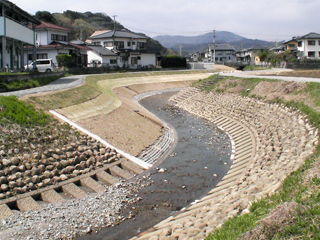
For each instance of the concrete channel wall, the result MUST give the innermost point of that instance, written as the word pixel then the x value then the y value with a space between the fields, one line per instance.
pixel 270 140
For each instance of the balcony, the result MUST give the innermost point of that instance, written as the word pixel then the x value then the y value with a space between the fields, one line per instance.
pixel 16 31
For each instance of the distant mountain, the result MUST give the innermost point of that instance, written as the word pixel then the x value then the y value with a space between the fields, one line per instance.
pixel 200 43
pixel 221 36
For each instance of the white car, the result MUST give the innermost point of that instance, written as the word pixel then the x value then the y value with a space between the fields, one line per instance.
pixel 42 65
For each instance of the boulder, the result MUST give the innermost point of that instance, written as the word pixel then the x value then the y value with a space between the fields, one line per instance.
pixel 15 161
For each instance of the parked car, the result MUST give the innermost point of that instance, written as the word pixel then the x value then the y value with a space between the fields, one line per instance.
pixel 42 65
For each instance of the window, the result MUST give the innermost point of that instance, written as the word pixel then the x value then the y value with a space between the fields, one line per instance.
pixel 134 61
pixel 129 44
pixel 42 56
pixel 142 45
pixel 124 58
pixel 96 43
pixel 30 57
pixel 113 61
pixel 312 54
pixel 291 45
pixel 311 42
pixel 119 44
pixel 300 44
pixel 133 43
pixel 107 44
pixel 57 37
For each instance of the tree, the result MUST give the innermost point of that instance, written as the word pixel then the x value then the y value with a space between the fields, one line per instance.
pixel 64 60
pixel 45 16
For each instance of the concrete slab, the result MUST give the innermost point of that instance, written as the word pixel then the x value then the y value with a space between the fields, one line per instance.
pixel 115 170
pixel 52 196
pixel 131 166
pixel 107 178
pixel 92 184
pixel 5 211
pixel 73 190
pixel 27 204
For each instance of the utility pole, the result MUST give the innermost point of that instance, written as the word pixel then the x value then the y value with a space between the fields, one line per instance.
pixel 180 50
pixel 114 22
pixel 214 46
pixel 114 29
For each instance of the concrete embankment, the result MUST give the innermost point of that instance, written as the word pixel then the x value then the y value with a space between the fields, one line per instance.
pixel 271 141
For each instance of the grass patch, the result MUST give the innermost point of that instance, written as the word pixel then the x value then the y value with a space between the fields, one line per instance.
pixel 14 111
pixel 26 84
pixel 254 68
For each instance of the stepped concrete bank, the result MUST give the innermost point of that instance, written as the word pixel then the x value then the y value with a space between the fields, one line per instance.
pixel 270 141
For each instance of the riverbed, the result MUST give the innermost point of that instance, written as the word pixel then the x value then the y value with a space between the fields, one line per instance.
pixel 198 162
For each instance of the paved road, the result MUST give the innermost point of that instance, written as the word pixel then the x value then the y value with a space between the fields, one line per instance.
pixel 60 84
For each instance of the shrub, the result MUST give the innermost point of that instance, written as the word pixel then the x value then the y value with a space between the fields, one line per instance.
pixel 64 60
pixel 173 61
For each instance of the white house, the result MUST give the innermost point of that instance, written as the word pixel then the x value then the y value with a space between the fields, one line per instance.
pixel 99 56
pixel 131 48
pixel 309 46
pixel 14 34
pixel 52 40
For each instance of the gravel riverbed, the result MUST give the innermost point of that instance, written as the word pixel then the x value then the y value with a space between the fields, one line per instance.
pixel 74 217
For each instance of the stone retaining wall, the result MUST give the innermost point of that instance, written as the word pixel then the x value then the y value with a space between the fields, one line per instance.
pixel 284 139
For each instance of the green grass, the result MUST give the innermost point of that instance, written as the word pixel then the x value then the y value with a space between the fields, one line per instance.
pixel 14 111
pixel 26 84
pixel 253 68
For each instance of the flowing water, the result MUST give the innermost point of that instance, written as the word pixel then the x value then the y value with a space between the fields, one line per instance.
pixel 195 166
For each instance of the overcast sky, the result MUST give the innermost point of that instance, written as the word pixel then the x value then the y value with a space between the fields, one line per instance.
pixel 272 20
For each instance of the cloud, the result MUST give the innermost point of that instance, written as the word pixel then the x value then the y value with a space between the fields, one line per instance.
pixel 270 20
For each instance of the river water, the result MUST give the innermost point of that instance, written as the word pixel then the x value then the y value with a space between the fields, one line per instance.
pixel 198 162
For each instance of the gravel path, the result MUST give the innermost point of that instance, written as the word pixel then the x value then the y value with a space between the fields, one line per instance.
pixel 60 84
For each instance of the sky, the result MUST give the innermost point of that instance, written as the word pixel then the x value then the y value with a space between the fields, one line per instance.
pixel 271 20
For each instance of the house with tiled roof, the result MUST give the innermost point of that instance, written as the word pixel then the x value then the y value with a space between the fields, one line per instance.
pixel 222 53
pixel 99 56
pixel 131 48
pixel 249 54
pixel 308 46
pixel 52 40
pixel 14 34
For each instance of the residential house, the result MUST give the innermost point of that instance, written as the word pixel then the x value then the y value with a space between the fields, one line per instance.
pixel 14 34
pixel 222 53
pixel 277 49
pixel 99 56
pixel 308 46
pixel 290 44
pixel 131 48
pixel 249 54
pixel 52 40
pixel 197 56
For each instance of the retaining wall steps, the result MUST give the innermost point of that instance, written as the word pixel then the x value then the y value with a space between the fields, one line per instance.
pixel 79 187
